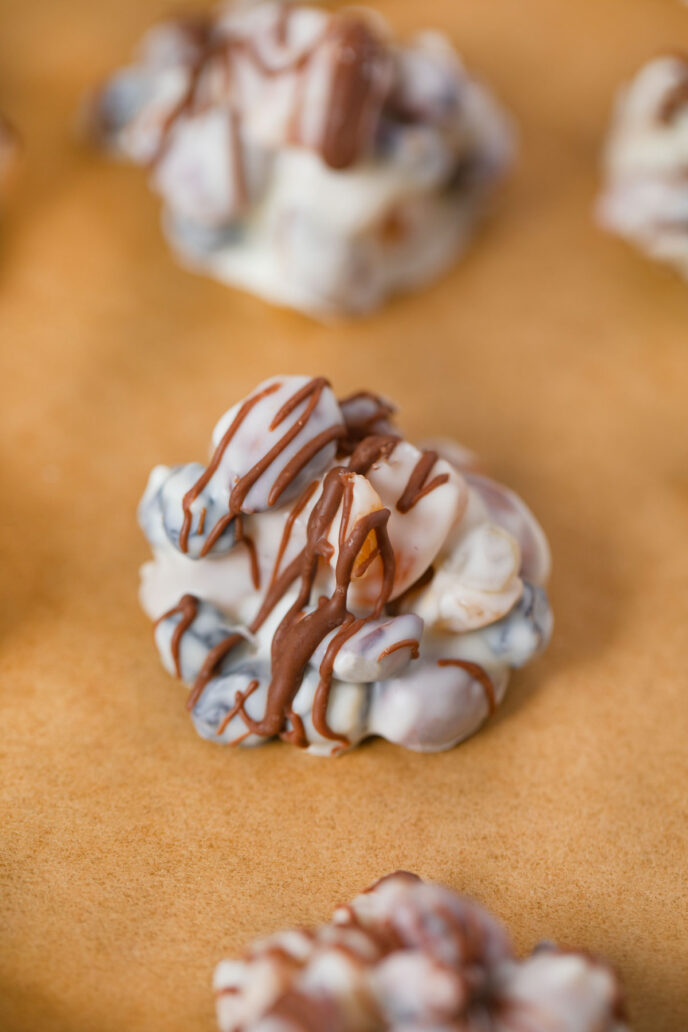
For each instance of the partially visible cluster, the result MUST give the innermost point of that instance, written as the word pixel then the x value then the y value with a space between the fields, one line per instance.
pixel 322 579
pixel 303 155
pixel 9 147
pixel 410 956
pixel 645 198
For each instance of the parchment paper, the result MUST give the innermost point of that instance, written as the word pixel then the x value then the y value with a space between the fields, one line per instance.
pixel 135 855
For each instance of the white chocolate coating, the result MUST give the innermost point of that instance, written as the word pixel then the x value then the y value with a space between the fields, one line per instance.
pixel 303 155
pixel 645 198
pixel 410 956
pixel 465 599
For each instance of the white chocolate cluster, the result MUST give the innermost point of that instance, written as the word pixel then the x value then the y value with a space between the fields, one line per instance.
pixel 645 198
pixel 303 155
pixel 324 580
pixel 410 956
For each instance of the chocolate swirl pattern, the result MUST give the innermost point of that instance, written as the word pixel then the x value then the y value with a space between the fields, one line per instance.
pixel 319 583
pixel 304 155
pixel 408 955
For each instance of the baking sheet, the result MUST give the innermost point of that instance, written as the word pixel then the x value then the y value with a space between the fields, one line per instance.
pixel 134 855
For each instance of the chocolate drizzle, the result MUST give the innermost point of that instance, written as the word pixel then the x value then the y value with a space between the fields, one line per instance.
pixel 480 675
pixel 236 157
pixel 364 565
pixel 202 482
pixel 408 643
pixel 357 89
pixel 289 526
pixel 305 626
pixel 199 34
pixel 211 666
pixel 360 425
pixel 239 700
pixel 417 487
pixel 242 536
pixel 414 948
pixel 300 632
pixel 349 627
pixel 311 393
pixel 187 608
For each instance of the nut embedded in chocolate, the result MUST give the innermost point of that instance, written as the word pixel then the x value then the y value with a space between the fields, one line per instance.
pixel 304 155
pixel 410 956
pixel 322 579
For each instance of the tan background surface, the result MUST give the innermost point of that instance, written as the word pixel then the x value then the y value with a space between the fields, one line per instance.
pixel 134 855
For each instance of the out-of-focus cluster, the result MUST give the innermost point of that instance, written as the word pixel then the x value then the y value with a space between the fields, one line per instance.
pixel 302 154
pixel 322 579
pixel 645 197
pixel 9 150
pixel 410 956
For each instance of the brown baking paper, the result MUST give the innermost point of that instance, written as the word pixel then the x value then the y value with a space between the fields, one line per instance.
pixel 134 854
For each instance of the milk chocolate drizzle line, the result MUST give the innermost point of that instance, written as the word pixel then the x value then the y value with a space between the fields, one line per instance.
pixel 365 565
pixel 300 632
pixel 193 493
pixel 417 487
pixel 236 156
pixel 390 935
pixel 187 608
pixel 480 675
pixel 408 643
pixel 356 54
pixel 356 51
pixel 199 32
pixel 311 393
pixel 242 536
pixel 239 700
pixel 361 426
pixel 350 626
pixel 289 526
pixel 211 666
